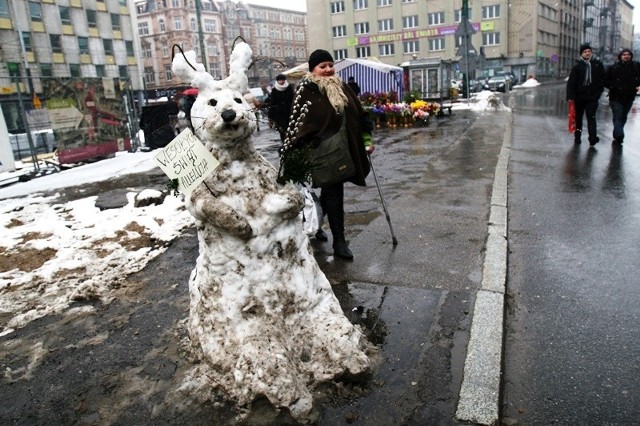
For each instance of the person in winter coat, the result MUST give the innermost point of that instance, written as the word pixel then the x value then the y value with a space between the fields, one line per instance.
pixel 622 80
pixel 584 87
pixel 351 81
pixel 279 104
pixel 330 104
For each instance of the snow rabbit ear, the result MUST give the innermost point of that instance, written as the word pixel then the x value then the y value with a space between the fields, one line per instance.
pixel 188 70
pixel 238 67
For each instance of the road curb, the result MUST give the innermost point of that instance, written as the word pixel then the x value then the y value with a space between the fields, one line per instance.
pixel 479 397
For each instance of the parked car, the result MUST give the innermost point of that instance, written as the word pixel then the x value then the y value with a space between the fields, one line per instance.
pixel 511 75
pixel 498 83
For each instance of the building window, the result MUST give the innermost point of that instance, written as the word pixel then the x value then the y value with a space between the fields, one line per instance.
pixel 490 39
pixel 175 3
pixel 83 45
pixel 411 46
pixel 214 69
pixel 146 51
pixel 74 70
pixel 457 15
pixel 168 75
pixel 436 18
pixel 46 70
pixel 363 52
pixel 100 72
pixel 408 1
pixel 360 4
pixel 56 43
pixel 4 9
pixel 491 12
pixel 108 46
pixel 165 49
pixel 386 49
pixel 212 48
pixel 209 26
pixel 340 54
pixel 149 75
pixel 385 25
pixel 26 39
pixel 143 28
pixel 436 44
pixel 361 28
pixel 177 23
pixel 115 22
pixel 193 25
pixel 123 72
pixel 129 46
pixel 410 21
pixel 35 11
pixel 384 2
pixel 339 31
pixel 337 7
pixel 161 25
pixel 91 18
pixel 65 15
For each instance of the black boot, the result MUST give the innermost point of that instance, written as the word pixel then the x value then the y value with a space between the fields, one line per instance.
pixel 341 249
pixel 321 235
pixel 331 199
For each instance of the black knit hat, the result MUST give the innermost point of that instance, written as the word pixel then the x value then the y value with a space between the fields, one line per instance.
pixel 623 51
pixel 584 47
pixel 319 56
pixel 281 77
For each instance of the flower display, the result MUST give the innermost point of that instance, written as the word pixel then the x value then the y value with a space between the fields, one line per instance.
pixel 386 110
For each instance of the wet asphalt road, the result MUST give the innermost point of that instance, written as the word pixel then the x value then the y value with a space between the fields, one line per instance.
pixel 572 335
pixel 123 363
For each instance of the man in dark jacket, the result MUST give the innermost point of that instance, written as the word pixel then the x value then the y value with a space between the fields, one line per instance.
pixel 622 80
pixel 354 86
pixel 279 104
pixel 584 87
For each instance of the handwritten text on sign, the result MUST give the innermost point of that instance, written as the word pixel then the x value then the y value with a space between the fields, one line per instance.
pixel 187 160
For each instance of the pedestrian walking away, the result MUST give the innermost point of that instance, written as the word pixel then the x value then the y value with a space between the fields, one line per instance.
pixel 354 86
pixel 584 87
pixel 279 104
pixel 622 79
pixel 326 111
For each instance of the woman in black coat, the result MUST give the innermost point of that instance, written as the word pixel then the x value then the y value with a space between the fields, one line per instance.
pixel 279 104
pixel 323 104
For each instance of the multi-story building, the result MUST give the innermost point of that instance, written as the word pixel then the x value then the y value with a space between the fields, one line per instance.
pixel 165 25
pixel 45 39
pixel 277 37
pixel 528 37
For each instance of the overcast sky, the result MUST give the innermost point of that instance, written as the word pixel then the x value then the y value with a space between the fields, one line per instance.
pixel 297 5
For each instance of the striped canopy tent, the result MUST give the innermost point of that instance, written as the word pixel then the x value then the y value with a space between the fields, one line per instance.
pixel 372 76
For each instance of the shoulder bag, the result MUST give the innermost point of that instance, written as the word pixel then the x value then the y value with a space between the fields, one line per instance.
pixel 332 162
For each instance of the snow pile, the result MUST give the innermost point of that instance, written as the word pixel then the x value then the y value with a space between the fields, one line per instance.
pixel 531 82
pixel 263 316
pixel 54 254
pixel 489 101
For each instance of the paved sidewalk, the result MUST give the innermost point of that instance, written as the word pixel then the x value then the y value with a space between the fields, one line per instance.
pixel 433 303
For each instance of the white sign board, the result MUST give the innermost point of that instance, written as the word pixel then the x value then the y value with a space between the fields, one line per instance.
pixel 7 164
pixel 187 160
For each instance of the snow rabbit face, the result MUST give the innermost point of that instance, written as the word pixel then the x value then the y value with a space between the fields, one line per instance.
pixel 220 114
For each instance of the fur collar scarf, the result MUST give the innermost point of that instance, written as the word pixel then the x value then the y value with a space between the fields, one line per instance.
pixel 331 87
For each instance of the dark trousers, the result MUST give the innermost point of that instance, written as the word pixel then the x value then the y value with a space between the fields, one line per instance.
pixel 590 108
pixel 620 110
pixel 332 202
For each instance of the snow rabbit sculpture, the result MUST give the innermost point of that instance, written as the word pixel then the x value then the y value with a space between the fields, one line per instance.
pixel 263 318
